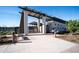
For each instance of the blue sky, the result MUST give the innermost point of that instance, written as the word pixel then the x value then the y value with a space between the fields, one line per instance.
pixel 9 15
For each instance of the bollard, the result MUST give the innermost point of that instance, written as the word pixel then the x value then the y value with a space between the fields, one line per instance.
pixel 54 34
pixel 14 38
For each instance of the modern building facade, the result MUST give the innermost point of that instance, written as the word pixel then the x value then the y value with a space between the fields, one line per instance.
pixel 56 26
pixel 49 23
pixel 50 26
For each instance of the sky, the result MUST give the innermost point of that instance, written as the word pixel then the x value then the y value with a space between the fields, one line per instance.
pixel 10 16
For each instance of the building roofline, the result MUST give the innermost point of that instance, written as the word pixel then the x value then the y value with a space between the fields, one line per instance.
pixel 42 14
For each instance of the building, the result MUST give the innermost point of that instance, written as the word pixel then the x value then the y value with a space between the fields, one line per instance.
pixel 58 26
pixel 49 23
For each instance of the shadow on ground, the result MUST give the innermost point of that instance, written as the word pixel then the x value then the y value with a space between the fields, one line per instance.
pixel 25 40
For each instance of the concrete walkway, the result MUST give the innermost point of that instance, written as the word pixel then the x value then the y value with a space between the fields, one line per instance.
pixel 40 43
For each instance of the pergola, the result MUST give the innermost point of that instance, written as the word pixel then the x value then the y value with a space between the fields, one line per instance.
pixel 39 15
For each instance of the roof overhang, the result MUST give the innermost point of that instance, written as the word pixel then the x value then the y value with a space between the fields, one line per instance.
pixel 37 14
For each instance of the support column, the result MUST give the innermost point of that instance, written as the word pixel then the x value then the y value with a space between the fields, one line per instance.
pixel 44 25
pixel 26 30
pixel 38 25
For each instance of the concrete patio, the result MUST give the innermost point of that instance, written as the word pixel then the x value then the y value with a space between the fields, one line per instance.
pixel 40 43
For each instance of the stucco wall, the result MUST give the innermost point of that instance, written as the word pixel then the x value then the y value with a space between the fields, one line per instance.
pixel 53 25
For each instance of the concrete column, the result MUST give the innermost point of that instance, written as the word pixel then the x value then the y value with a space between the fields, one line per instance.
pixel 38 25
pixel 26 30
pixel 44 25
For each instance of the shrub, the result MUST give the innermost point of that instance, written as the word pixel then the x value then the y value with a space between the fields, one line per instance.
pixel 73 26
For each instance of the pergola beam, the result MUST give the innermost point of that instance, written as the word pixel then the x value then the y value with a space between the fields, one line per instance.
pixel 41 15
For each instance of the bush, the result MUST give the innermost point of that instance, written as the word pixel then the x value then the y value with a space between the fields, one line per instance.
pixel 5 33
pixel 73 26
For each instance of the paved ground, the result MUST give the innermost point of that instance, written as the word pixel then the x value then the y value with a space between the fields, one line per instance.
pixel 40 43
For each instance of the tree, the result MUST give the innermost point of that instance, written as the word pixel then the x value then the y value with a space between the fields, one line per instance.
pixel 72 26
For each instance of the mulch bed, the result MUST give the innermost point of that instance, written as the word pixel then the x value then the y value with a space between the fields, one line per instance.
pixel 71 38
pixel 5 40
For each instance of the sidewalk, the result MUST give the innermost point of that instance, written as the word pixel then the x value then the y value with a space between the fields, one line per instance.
pixel 39 43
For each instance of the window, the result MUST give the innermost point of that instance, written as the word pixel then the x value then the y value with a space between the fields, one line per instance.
pixel 58 24
pixel 55 23
pixel 53 28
